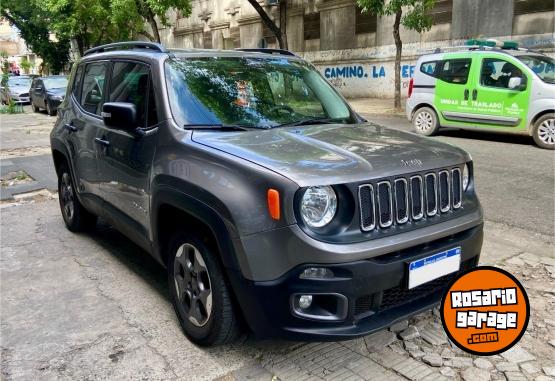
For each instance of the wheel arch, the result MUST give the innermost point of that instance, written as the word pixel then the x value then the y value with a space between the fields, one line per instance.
pixel 423 104
pixel 173 209
pixel 538 116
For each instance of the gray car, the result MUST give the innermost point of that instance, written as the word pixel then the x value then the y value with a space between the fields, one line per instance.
pixel 17 90
pixel 271 204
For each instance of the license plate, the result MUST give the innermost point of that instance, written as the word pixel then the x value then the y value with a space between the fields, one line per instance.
pixel 434 266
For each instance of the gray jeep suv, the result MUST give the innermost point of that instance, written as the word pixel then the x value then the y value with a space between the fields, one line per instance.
pixel 271 204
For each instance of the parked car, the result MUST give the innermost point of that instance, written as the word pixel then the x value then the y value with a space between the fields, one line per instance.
pixel 48 92
pixel 267 199
pixel 17 89
pixel 488 86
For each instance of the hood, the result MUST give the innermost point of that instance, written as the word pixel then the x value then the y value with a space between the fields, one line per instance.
pixel 19 89
pixel 59 91
pixel 334 154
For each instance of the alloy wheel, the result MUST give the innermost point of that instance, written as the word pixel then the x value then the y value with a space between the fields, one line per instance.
pixel 423 121
pixel 192 285
pixel 546 131
pixel 67 196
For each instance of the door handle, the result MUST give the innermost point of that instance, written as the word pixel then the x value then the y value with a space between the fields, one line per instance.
pixel 103 142
pixel 474 94
pixel 70 127
pixel 466 93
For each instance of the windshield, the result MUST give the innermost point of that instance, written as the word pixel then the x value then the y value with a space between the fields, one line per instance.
pixel 19 81
pixel 543 66
pixel 55 82
pixel 250 92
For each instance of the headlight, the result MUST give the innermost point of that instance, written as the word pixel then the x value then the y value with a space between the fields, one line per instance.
pixel 465 177
pixel 57 98
pixel 318 206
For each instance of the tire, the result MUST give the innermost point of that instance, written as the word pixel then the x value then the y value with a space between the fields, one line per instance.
pixel 75 216
pixel 544 131
pixel 194 270
pixel 35 108
pixel 425 122
pixel 49 110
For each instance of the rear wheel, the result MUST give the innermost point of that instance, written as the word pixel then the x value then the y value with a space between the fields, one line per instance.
pixel 76 217
pixel 200 293
pixel 425 121
pixel 544 131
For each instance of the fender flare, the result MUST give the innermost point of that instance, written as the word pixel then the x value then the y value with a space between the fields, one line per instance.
pixel 165 194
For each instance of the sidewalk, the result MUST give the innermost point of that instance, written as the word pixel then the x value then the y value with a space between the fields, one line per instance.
pixel 376 106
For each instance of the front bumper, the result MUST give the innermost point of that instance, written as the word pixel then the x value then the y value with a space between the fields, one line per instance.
pixel 375 291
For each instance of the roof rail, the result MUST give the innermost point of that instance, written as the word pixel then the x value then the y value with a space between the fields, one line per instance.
pixel 128 45
pixel 267 51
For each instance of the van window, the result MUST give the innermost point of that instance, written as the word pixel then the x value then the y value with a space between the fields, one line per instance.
pixel 93 87
pixel 497 72
pixel 429 68
pixel 455 71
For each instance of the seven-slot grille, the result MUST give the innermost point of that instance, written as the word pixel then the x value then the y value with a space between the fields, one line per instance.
pixel 412 198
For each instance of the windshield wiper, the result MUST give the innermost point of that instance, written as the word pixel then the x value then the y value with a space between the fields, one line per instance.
pixel 222 127
pixel 306 122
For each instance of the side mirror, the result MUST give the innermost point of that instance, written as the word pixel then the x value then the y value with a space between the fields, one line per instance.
pixel 120 115
pixel 516 83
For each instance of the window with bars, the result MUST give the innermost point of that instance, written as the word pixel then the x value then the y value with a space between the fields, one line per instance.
pixel 442 13
pixel 533 6
pixel 365 22
pixel 312 26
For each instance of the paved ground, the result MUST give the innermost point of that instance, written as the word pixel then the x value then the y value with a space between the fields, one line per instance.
pixel 94 306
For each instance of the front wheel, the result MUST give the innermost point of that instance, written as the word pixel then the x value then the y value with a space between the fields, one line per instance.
pixel 544 131
pixel 49 109
pixel 425 121
pixel 200 293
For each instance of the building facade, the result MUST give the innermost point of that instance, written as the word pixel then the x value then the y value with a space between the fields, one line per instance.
pixel 355 50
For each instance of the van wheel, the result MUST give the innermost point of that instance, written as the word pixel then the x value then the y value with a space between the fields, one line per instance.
pixel 200 293
pixel 544 131
pixel 76 217
pixel 425 122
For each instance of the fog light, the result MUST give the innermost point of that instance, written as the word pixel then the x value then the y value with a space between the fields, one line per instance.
pixel 305 301
pixel 316 273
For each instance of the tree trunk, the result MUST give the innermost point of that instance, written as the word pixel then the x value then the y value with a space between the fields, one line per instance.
pixel 399 49
pixel 270 23
pixel 154 25
pixel 283 24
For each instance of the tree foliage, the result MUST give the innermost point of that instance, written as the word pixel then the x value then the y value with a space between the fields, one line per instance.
pixel 87 22
pixel 33 25
pixel 412 14
pixel 136 13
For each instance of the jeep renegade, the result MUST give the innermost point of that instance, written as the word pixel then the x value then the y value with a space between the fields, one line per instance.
pixel 269 201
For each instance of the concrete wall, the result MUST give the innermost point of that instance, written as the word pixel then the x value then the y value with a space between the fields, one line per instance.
pixel 473 18
pixel 359 64
pixel 369 72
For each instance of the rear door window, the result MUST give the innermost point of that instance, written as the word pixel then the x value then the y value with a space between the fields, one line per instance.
pixel 455 70
pixel 92 91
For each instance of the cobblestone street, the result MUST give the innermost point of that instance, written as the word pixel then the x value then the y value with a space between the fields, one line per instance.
pixel 94 306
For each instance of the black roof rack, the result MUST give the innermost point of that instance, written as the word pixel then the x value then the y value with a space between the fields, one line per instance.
pixel 267 51
pixel 127 45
